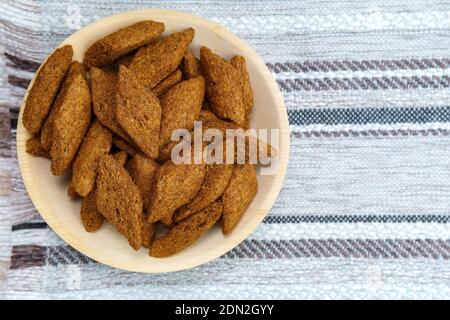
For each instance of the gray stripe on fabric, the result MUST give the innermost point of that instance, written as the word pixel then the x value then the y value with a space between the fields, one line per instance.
pixel 25 256
pixel 359 65
pixel 369 115
pixel 366 83
pixel 349 248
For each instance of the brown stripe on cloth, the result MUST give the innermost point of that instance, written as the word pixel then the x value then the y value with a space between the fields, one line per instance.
pixel 18 81
pixel 20 63
pixel 362 65
pixel 365 83
pixel 25 256
pixel 28 256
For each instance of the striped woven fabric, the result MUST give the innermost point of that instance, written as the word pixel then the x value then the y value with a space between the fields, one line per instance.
pixel 364 211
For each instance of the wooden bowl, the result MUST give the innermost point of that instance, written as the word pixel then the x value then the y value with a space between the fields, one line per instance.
pixel 107 246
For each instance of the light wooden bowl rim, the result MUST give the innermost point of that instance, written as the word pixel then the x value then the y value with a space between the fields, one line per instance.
pixel 34 187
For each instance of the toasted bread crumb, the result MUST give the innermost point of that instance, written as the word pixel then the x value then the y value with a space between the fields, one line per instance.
pixel 176 185
pixel 118 199
pixel 91 218
pixel 223 87
pixel 45 87
pixel 186 232
pixel 123 41
pixel 96 143
pixel 71 122
pixel 138 113
pixel 164 86
pixel 238 195
pixel 156 61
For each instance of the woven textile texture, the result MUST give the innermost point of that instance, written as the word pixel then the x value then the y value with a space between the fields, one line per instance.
pixel 365 207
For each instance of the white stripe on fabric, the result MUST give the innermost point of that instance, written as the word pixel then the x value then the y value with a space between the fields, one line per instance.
pixel 375 20
pixel 362 74
pixel 40 237
pixel 306 278
pixel 322 231
pixel 367 175
pixel 383 98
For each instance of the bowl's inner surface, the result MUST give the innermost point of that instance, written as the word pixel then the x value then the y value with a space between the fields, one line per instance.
pixel 49 193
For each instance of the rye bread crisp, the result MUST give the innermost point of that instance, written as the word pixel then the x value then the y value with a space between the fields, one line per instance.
pixel 223 87
pixel 47 127
pixel 34 147
pixel 125 60
pixel 247 93
pixel 165 151
pixel 143 171
pixel 121 157
pixel 237 196
pixel 125 146
pixel 71 193
pixel 190 66
pixel 186 232
pixel 181 106
pixel 96 143
pixel 118 199
pixel 71 122
pixel 176 185
pixel 103 85
pixel 91 218
pixel 45 88
pixel 252 144
pixel 148 233
pixel 156 61
pixel 164 86
pixel 216 180
pixel 138 112
pixel 123 41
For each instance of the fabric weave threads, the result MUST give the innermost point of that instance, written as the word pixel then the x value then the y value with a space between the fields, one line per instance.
pixel 364 210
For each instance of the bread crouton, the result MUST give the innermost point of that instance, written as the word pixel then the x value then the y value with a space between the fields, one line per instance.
pixel 71 122
pixel 247 93
pixel 156 61
pixel 45 88
pixel 223 87
pixel 96 143
pixel 190 66
pixel 238 195
pixel 118 199
pixel 181 106
pixel 91 218
pixel 34 147
pixel 138 113
pixel 123 41
pixel 186 232
pixel 216 180
pixel 176 185
pixel 164 86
